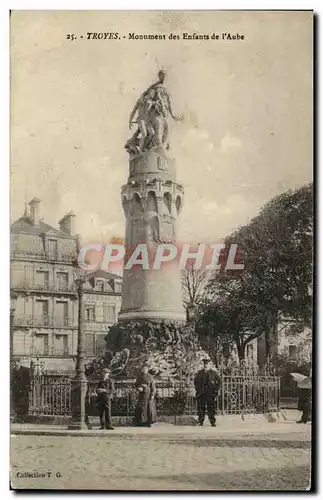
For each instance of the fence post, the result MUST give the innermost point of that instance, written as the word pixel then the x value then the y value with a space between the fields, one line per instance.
pixel 222 393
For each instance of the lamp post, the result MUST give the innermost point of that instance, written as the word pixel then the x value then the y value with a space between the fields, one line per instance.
pixel 13 299
pixel 79 383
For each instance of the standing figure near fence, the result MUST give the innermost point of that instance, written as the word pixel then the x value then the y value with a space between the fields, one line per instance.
pixel 207 383
pixel 145 413
pixel 304 405
pixel 105 392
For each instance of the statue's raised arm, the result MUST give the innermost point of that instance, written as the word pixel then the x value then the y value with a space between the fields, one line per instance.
pixel 162 75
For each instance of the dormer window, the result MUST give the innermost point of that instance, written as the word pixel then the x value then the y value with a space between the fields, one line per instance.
pixel 100 286
pixel 52 249
pixel 110 285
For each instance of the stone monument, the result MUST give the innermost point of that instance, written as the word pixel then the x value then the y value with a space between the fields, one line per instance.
pixel 152 200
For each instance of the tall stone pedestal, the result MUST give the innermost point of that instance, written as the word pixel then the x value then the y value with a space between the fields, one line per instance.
pixel 152 200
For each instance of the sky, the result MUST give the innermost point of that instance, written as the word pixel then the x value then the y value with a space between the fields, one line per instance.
pixel 247 106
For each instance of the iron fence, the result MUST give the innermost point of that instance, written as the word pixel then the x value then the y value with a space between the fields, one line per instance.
pixel 42 320
pixel 51 395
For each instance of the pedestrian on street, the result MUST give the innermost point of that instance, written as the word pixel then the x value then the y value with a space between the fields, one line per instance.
pixel 304 405
pixel 304 389
pixel 105 393
pixel 305 399
pixel 145 412
pixel 207 383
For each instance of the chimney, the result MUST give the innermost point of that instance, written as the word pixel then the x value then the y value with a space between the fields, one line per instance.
pixel 35 211
pixel 67 224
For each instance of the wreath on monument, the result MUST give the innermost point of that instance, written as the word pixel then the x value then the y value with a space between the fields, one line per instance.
pixel 166 348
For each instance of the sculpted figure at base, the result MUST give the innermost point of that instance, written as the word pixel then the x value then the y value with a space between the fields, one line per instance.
pixel 153 109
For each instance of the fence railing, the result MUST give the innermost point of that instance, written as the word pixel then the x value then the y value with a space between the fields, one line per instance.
pixel 46 287
pixel 51 395
pixel 42 320
pixel 58 257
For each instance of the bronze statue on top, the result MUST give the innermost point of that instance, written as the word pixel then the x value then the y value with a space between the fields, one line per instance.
pixel 153 109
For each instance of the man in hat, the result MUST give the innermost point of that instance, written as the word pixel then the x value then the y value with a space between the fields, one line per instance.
pixel 305 399
pixel 105 392
pixel 207 384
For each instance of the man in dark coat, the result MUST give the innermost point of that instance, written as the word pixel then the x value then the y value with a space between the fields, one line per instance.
pixel 207 384
pixel 304 405
pixel 105 392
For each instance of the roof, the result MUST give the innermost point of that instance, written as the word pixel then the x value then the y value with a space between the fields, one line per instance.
pixel 100 273
pixel 70 214
pixel 25 225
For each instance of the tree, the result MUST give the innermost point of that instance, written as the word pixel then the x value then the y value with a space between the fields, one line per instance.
pixel 230 321
pixel 277 278
pixel 194 283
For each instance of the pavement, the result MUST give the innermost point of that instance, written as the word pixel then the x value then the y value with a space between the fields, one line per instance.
pixel 228 423
pixel 272 456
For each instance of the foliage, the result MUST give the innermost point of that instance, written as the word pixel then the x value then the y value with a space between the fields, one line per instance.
pixel 116 362
pixel 277 277
pixel 176 362
pixel 171 351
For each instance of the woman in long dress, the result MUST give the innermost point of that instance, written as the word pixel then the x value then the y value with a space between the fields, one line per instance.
pixel 145 413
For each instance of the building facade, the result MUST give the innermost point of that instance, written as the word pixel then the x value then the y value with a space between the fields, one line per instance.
pixel 288 339
pixel 43 274
pixel 102 303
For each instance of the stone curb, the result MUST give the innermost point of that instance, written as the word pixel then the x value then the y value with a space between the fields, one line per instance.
pixel 225 424
pixel 153 433
pixel 182 420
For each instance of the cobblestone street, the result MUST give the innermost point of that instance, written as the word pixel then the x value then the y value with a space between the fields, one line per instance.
pixel 185 459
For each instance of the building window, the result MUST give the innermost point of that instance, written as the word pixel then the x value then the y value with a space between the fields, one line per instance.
pixel 42 279
pixel 61 313
pixel 117 287
pixel 292 351
pixel 90 344
pixel 41 312
pixel 52 249
pixel 100 286
pixel 89 312
pixel 41 344
pixel 62 280
pixel 60 345
pixel 109 313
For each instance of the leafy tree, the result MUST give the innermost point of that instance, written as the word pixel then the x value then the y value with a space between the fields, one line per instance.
pixel 277 278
